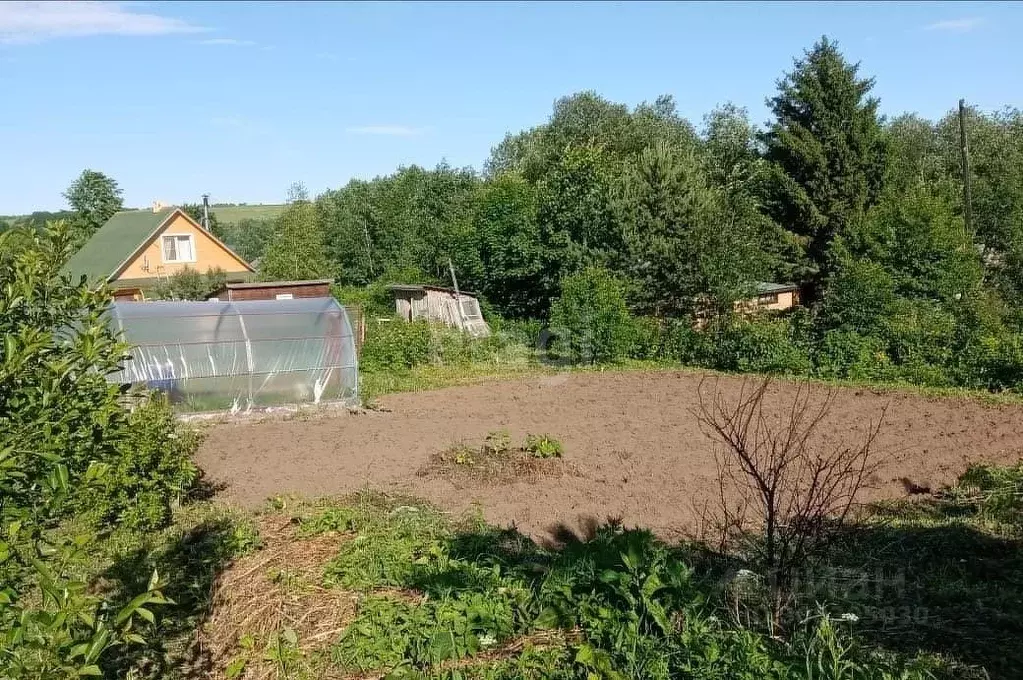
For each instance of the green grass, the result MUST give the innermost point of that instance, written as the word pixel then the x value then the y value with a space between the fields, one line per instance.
pixel 448 597
pixel 433 377
pixel 236 213
pixel 423 378
pixel 912 590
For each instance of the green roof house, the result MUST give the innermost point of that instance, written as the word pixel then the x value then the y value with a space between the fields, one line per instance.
pixel 135 249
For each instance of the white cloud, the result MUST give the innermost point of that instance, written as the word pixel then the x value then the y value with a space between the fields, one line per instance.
pixel 956 25
pixel 228 41
pixel 28 22
pixel 386 130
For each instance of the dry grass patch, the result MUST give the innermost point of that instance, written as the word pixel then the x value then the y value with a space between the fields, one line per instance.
pixel 263 596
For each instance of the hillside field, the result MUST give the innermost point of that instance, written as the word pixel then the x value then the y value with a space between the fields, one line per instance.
pixel 236 213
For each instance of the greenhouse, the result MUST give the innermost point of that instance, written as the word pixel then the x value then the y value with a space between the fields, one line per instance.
pixel 238 355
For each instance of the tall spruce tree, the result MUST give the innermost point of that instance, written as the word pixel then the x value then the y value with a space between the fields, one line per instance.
pixel 828 153
pixel 688 245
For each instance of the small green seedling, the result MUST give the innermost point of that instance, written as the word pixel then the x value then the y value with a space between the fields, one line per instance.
pixel 543 446
pixel 460 454
pixel 497 443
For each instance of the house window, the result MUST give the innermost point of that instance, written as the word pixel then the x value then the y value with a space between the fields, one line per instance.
pixel 178 248
pixel 767 299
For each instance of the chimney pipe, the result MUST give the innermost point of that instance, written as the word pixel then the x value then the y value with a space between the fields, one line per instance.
pixel 206 212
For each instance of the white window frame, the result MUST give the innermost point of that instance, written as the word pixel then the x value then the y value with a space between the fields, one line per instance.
pixel 163 249
pixel 474 303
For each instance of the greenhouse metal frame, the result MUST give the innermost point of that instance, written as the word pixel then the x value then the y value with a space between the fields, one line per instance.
pixel 235 356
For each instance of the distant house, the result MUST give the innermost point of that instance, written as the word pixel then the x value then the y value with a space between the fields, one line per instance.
pixel 773 296
pixel 136 249
pixel 433 303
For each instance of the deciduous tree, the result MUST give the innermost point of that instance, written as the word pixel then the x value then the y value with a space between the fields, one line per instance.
pixel 295 252
pixel 94 198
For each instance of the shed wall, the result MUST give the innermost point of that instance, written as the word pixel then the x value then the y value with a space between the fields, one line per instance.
pixel 270 292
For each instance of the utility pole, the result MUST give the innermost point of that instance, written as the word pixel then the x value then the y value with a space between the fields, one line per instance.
pixel 965 148
pixel 458 296
pixel 206 212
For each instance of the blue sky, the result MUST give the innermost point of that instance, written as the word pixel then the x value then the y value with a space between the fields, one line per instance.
pixel 241 99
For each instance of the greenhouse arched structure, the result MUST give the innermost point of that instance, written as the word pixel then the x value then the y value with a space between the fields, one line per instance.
pixel 234 356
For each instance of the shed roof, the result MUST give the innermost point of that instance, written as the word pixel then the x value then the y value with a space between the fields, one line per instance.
pixel 765 287
pixel 279 284
pixel 421 288
pixel 114 243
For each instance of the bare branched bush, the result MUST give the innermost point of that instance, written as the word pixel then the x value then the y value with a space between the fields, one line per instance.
pixel 784 489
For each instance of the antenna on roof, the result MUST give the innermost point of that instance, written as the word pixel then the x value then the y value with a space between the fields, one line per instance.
pixel 206 212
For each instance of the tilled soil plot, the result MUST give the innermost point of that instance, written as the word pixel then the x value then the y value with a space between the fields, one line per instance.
pixel 631 439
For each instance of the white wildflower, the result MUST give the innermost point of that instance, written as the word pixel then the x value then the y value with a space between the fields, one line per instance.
pixel 487 640
pixel 849 616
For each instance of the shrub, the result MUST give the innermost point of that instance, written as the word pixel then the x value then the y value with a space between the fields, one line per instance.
pixel 690 346
pixel 920 336
pixel 191 284
pixel 61 430
pixel 858 297
pixel 763 345
pixel 847 354
pixel 797 490
pixel 523 332
pixel 590 320
pixel 995 362
pixel 395 345
pixel 153 470
pixel 375 300
pixel 647 339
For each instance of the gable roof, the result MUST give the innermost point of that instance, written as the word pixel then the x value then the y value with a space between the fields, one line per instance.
pixel 114 243
pixel 119 240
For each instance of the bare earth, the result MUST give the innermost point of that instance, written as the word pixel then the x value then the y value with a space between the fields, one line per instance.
pixel 631 438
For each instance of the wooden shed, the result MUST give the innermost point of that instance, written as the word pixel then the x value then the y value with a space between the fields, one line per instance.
pixel 291 290
pixel 432 303
pixel 274 290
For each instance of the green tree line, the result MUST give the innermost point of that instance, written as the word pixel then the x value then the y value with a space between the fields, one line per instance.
pixel 865 213
pixel 689 216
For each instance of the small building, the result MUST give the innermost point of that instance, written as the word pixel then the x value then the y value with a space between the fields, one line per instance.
pixel 772 296
pixel 137 249
pixel 433 303
pixel 274 290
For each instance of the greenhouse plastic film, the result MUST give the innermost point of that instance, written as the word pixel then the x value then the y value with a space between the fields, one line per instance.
pixel 239 355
